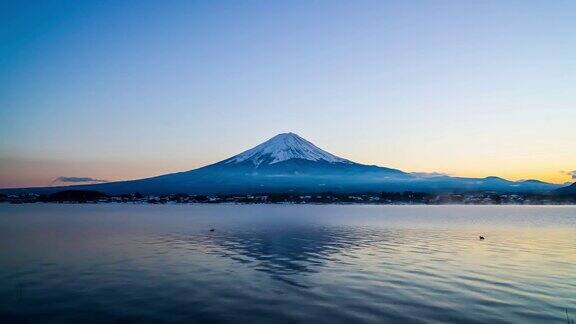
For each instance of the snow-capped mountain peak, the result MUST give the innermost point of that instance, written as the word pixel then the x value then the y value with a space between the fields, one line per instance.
pixel 284 147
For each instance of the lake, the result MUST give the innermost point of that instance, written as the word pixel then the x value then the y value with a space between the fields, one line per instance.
pixel 100 263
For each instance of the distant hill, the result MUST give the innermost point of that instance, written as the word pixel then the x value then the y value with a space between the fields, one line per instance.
pixel 289 163
pixel 568 190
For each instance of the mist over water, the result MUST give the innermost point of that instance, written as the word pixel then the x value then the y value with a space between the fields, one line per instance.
pixel 287 263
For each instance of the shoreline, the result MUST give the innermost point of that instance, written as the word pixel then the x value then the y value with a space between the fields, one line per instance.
pixel 278 204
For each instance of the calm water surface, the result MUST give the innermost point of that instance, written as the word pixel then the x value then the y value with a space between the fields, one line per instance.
pixel 286 264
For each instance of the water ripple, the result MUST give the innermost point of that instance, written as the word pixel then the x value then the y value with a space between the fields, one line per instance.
pixel 336 264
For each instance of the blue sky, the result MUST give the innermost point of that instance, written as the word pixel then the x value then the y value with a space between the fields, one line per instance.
pixel 128 89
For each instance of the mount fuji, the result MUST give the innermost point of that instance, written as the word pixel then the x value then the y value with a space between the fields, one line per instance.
pixel 288 162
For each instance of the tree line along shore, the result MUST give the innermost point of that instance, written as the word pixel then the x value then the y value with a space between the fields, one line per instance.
pixel 470 198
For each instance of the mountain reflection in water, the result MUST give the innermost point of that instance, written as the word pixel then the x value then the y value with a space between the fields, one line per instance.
pixel 286 252
pixel 321 264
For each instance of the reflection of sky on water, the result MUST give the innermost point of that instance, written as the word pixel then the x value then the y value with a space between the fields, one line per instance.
pixel 288 252
pixel 289 263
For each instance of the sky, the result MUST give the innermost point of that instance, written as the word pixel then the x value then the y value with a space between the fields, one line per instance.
pixel 111 90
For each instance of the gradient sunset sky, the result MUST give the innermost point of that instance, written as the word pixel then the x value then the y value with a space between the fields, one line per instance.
pixel 129 89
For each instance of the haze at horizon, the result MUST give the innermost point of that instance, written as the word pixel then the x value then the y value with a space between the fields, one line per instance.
pixel 135 89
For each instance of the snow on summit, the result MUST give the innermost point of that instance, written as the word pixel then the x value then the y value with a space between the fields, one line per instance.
pixel 284 147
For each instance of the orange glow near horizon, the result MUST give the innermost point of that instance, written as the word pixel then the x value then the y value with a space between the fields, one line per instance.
pixel 463 88
pixel 38 173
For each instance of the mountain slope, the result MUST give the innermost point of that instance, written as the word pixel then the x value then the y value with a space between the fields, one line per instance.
pixel 287 162
pixel 568 190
